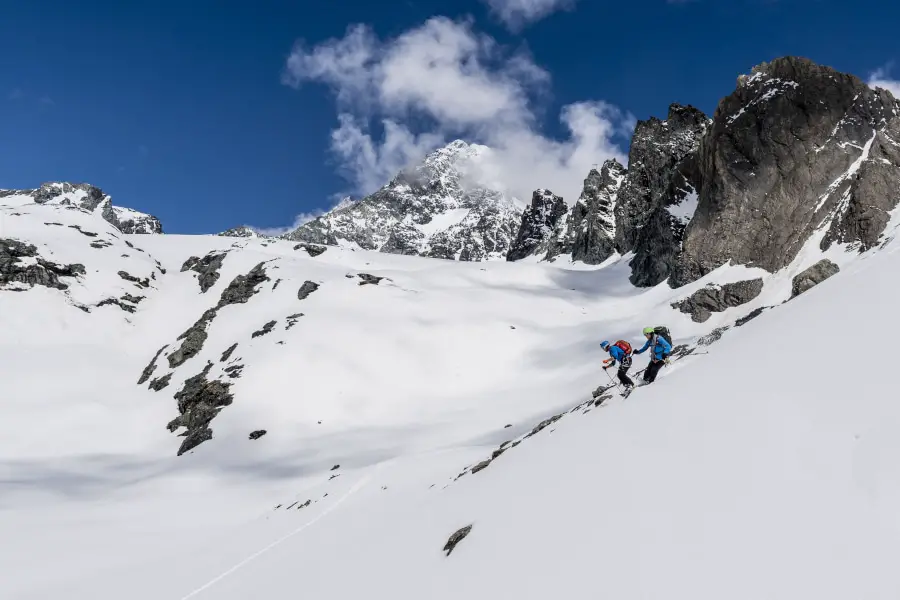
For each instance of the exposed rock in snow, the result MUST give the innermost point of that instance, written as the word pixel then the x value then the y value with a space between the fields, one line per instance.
pixel 267 328
pixel 239 291
pixel 255 435
pixel 161 383
pixel 292 320
pixel 313 250
pixel 751 315
pixel 228 352
pixel 456 538
pixel 713 336
pixel 243 287
pixel 306 289
pixel 813 276
pixel 796 148
pixel 91 199
pixel 481 466
pixel 148 370
pixel 207 268
pixel 199 401
pixel 429 210
pixel 717 298
pixel 141 283
pixel 192 340
pixel 590 228
pixel 539 223
pixel 21 264
pixel 369 279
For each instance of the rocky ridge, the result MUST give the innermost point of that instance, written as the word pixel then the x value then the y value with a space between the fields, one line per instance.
pixel 798 154
pixel 91 199
pixel 429 210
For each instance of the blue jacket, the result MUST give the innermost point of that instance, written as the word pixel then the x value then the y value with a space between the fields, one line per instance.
pixel 617 353
pixel 661 348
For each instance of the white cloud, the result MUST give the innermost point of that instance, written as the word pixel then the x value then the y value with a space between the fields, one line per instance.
pixel 371 164
pixel 402 97
pixel 881 78
pixel 518 13
pixel 345 64
pixel 299 220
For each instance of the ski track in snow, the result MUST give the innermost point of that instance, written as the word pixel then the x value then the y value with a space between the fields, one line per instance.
pixel 358 486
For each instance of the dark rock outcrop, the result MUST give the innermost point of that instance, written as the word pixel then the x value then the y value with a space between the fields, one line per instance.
pixel 481 466
pixel 207 268
pixel 750 316
pixel 234 371
pixel 544 424
pixel 292 320
pixel 313 250
pixel 713 336
pixel 456 538
pixel 541 220
pixel 715 298
pixel 160 383
pixel 255 435
pixel 191 340
pixel 148 370
pixel 124 306
pixel 369 279
pixel 243 287
pixel 199 401
pixel 227 354
pixel 141 283
pixel 267 328
pixel 82 231
pixel 591 225
pixel 813 276
pixel 795 148
pixel 20 263
pixel 656 199
pixel 306 289
pixel 239 291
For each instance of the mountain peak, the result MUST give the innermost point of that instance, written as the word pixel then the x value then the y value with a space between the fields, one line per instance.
pixel 428 209
pixel 92 199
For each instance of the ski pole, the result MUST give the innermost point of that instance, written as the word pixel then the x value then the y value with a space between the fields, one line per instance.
pixel 613 381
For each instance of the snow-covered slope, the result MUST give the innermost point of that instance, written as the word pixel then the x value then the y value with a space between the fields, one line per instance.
pixel 742 473
pixel 88 198
pixel 429 210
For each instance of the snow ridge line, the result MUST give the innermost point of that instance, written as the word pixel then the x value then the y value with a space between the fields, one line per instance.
pixel 356 487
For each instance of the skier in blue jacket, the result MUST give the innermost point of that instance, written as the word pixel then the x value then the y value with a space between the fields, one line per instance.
pixel 619 352
pixel 660 349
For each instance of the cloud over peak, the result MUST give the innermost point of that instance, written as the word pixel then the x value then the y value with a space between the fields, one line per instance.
pixel 881 78
pixel 399 98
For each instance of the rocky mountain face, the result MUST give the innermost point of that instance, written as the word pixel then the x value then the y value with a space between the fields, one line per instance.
pixel 429 210
pixel 91 199
pixel 643 209
pixel 797 150
pixel 798 153
pixel 589 233
pixel 658 196
pixel 539 223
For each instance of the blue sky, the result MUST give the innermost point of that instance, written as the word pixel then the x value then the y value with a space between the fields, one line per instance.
pixel 210 114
